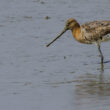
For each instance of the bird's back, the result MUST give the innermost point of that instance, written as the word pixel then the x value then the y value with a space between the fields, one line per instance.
pixel 95 24
pixel 96 31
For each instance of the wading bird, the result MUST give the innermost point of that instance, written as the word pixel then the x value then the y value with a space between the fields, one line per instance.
pixel 89 33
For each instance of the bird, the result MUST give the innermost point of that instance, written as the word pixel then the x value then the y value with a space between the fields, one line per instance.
pixel 93 32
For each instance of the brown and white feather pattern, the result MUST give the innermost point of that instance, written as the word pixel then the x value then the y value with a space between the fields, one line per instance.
pixel 96 31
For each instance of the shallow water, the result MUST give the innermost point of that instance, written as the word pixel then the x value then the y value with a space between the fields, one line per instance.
pixel 65 76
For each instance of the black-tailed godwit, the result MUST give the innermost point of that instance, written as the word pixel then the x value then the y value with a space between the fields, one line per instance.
pixel 89 33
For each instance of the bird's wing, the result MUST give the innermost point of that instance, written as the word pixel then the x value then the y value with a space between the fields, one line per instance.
pixel 96 30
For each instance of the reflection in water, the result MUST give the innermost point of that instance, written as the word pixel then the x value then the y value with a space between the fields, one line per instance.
pixel 92 92
pixel 93 84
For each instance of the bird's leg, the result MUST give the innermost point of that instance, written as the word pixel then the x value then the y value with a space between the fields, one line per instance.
pixel 101 55
pixel 102 58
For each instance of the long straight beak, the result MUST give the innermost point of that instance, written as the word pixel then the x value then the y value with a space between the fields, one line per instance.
pixel 64 30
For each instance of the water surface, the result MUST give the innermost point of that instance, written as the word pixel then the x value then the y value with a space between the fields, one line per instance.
pixel 65 76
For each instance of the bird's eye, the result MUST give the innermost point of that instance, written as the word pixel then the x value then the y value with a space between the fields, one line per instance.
pixel 68 24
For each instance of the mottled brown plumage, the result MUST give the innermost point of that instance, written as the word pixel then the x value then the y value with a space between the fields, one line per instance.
pixel 96 31
pixel 88 33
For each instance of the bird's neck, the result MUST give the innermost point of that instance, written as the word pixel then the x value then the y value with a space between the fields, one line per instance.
pixel 76 31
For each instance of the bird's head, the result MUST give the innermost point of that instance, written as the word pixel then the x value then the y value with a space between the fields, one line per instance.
pixel 71 23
